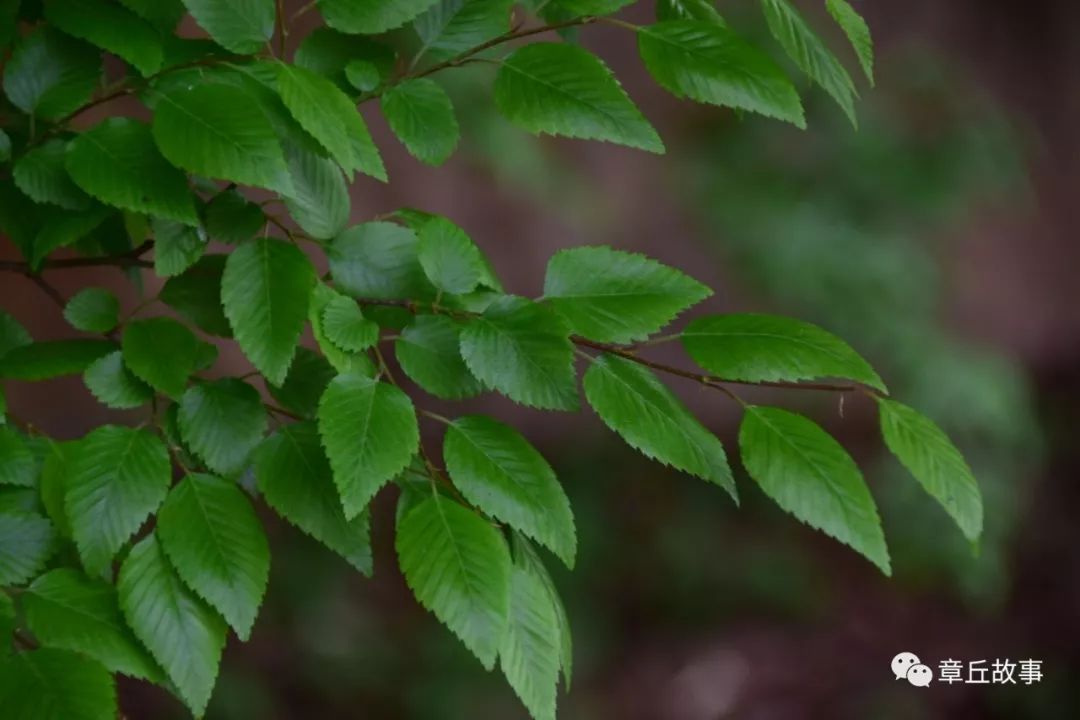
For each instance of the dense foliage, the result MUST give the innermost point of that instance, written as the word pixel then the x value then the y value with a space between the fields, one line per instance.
pixel 224 168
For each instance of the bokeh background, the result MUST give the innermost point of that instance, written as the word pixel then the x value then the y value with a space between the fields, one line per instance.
pixel 939 239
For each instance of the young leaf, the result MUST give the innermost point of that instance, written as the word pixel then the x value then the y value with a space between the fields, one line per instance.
pixel 196 295
pixel 56 358
pixel 808 51
pixel 458 566
pixel 453 26
pixel 176 247
pixel 265 291
pixel 499 472
pixel 117 476
pixel 51 74
pixel 222 421
pixel 111 28
pixel 211 535
pixel 928 454
pixel 118 163
pixel 363 75
pixel 52 684
pixel 93 310
pixel 370 433
pixel 294 478
pixel 328 53
pixel 345 325
pixel 65 609
pixel 857 31
pixel 18 466
pixel 422 116
pixel 762 348
pixel 612 296
pixel 523 350
pixel 27 541
pixel 429 352
pixel 371 17
pixel 183 634
pixel 379 260
pixel 308 377
pixel 633 402
pixel 343 361
pixel 709 63
pixel 331 117
pixel 529 652
pixel 449 257
pixel 110 382
pixel 219 131
pixel 565 90
pixel 240 26
pixel 162 353
pixel 320 200
pixel 809 475
pixel 40 174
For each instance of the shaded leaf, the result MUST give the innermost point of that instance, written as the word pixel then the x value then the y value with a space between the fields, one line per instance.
pixel 52 684
pixel 56 358
pixel 421 115
pixel 241 26
pixel 110 382
pixel 429 352
pixel 93 310
pixel 222 421
pixel 371 17
pixel 111 28
pixel 27 541
pixel 162 353
pixel 51 74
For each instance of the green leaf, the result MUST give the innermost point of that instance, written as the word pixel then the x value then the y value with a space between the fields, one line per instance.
pixel 65 609
pixel 295 479
pixel 449 257
pixel 928 454
pixel 12 334
pixel 27 541
pixel 111 28
pixel 709 63
pixel 93 310
pixel 308 377
pixel 458 566
pixel 117 162
pixel 765 348
pixel 422 116
pixel 379 260
pixel 18 466
pixel 808 51
pixel 522 349
pixel 618 297
pixel 222 421
pixel 530 648
pixel 176 247
pixel 220 131
pixel 42 177
pixel 363 75
pixel 857 31
pixel 345 325
pixel 240 26
pixel 331 117
pixel 114 386
pixel 499 472
pixel 116 478
pixel 51 74
pixel 526 557
pixel 450 27
pixel 565 90
pixel 688 10
pixel 320 202
pixel 210 532
pixel 162 353
pixel 329 53
pixel 370 433
pixel 162 14
pixel 265 291
pixel 183 634
pixel 429 352
pixel 51 684
pixel 56 358
pixel 52 485
pixel 196 294
pixel 809 475
pixel 63 228
pixel 232 218
pixel 633 402
pixel 7 624
pixel 343 361
pixel 5 147
pixel 371 17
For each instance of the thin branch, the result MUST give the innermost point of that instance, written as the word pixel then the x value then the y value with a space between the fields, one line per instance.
pixel 48 289
pixel 132 258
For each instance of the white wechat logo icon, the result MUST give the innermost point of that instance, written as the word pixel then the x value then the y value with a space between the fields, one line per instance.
pixel 907 666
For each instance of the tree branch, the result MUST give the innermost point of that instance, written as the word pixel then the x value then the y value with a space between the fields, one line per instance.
pixel 132 258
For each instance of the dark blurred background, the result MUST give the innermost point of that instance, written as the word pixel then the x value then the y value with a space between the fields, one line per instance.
pixel 938 239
